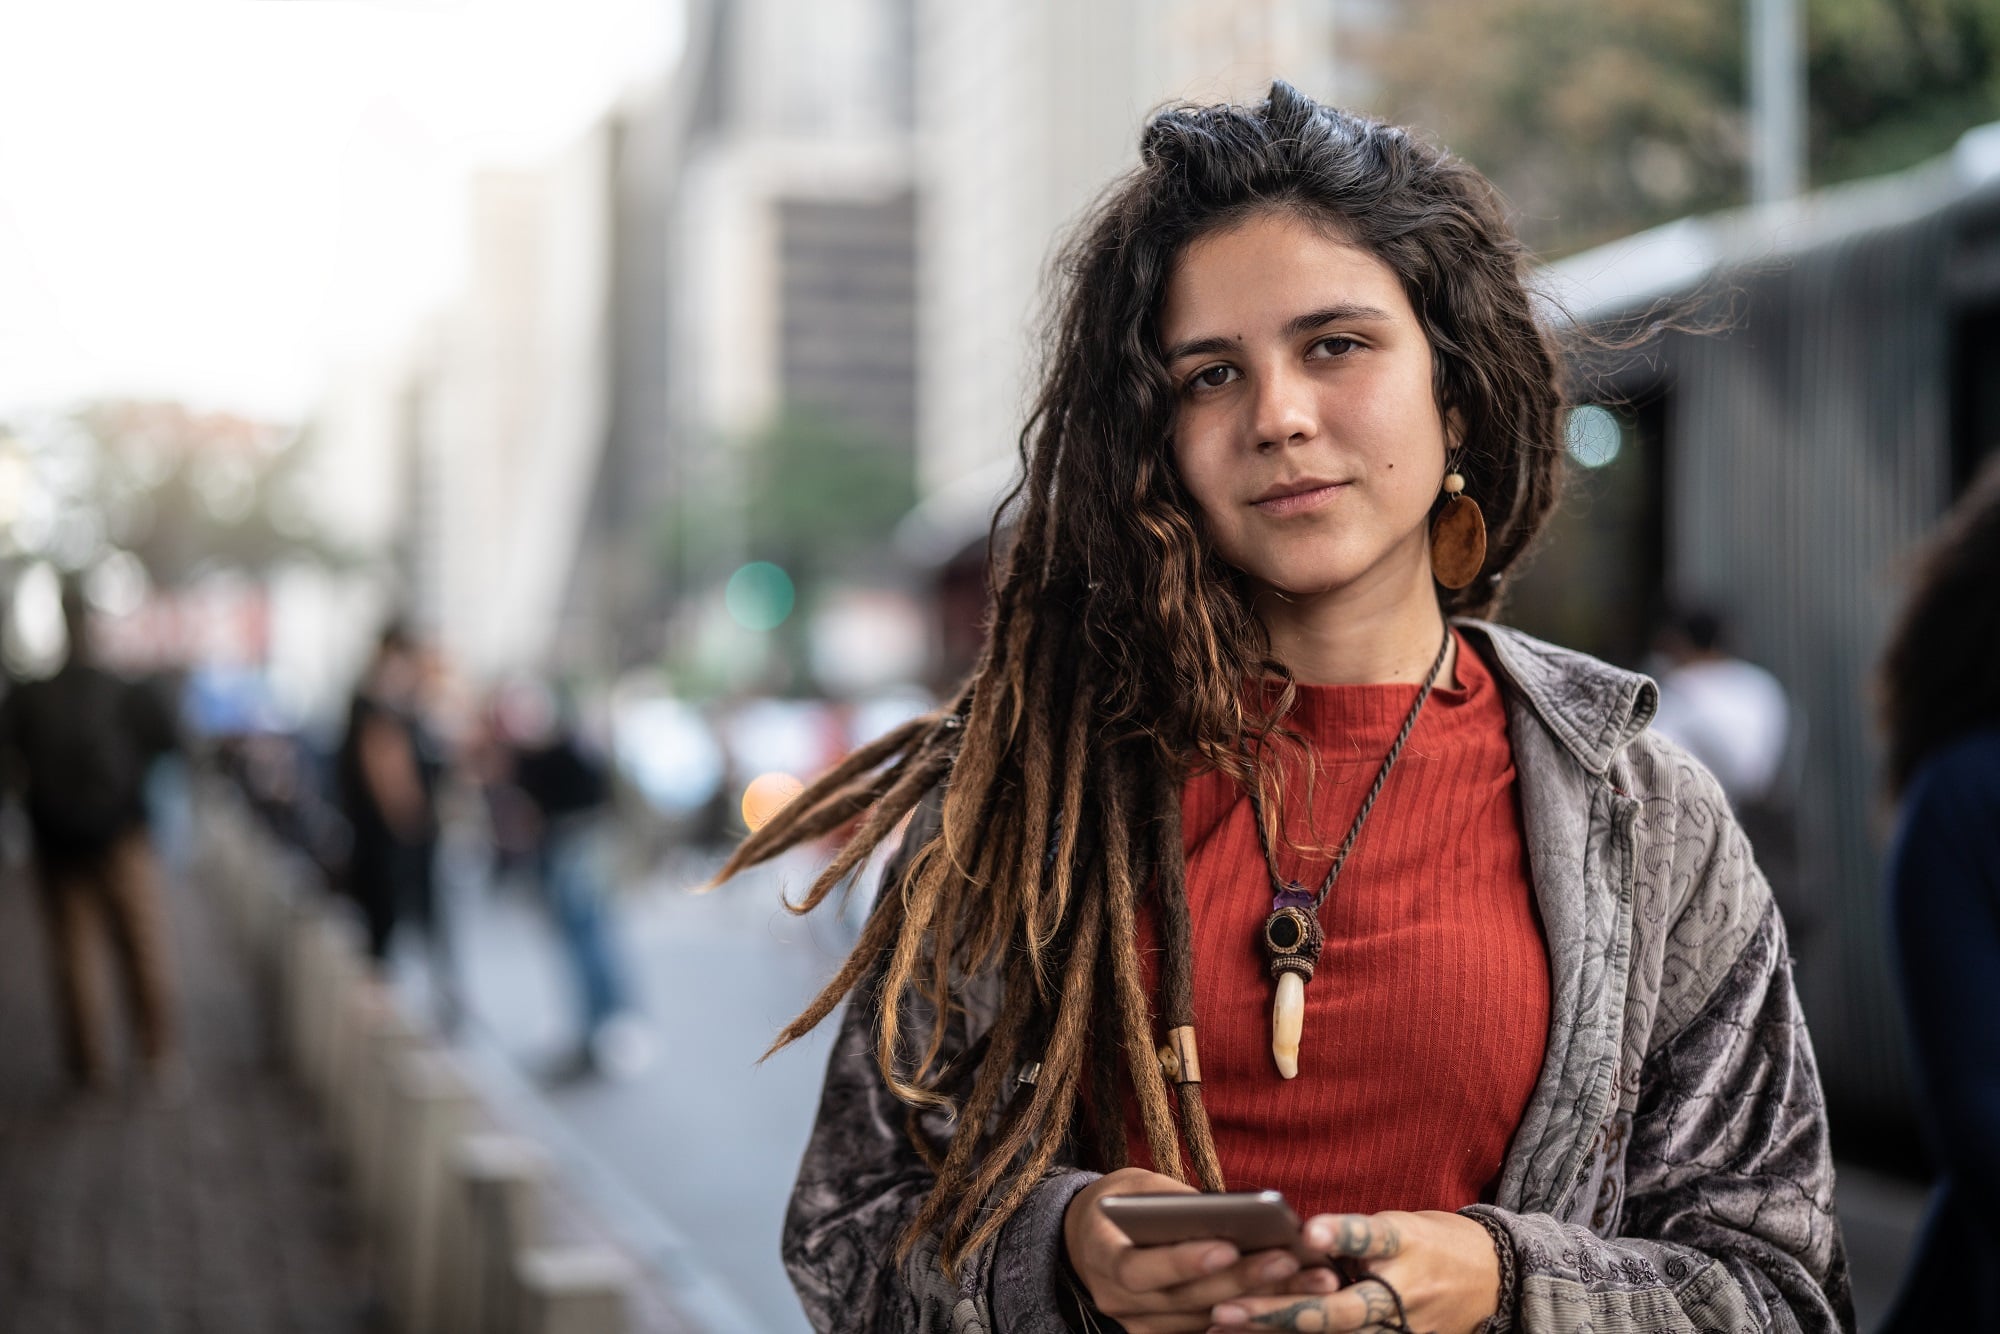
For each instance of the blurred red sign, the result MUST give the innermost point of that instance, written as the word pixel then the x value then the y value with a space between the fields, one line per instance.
pixel 222 623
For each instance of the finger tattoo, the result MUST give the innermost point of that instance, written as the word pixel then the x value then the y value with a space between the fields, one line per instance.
pixel 1378 1307
pixel 1362 1235
pixel 1304 1317
pixel 1382 1308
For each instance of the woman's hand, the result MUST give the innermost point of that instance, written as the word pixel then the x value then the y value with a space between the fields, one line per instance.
pixel 1168 1289
pixel 1442 1265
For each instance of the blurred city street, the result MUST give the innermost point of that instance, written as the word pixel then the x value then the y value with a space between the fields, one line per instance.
pixel 467 465
pixel 705 1136
pixel 230 1199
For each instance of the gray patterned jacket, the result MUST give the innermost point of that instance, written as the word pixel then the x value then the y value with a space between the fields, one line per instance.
pixel 1671 1171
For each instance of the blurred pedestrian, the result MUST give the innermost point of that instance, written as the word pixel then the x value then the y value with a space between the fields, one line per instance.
pixel 80 745
pixel 1486 982
pixel 553 793
pixel 1737 719
pixel 1940 695
pixel 387 770
pixel 1732 715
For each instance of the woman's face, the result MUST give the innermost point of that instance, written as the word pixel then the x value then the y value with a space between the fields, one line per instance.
pixel 1307 430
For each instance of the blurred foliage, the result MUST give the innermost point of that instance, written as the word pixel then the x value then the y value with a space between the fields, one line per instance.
pixel 812 495
pixel 819 499
pixel 1893 81
pixel 822 490
pixel 187 492
pixel 1601 118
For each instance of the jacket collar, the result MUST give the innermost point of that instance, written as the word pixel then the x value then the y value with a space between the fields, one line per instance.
pixel 1593 708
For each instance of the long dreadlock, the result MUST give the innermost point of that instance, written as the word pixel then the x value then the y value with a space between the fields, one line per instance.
pixel 1117 651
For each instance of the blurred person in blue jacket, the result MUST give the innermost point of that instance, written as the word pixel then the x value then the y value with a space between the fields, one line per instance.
pixel 550 795
pixel 1940 693
pixel 79 747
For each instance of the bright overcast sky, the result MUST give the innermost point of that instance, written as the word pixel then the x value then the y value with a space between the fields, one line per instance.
pixel 216 199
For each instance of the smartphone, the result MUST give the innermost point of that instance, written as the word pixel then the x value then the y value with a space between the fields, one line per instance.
pixel 1249 1220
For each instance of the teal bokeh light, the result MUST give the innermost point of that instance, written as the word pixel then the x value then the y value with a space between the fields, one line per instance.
pixel 1595 436
pixel 759 596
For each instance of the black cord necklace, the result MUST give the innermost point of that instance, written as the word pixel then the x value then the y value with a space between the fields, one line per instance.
pixel 1293 937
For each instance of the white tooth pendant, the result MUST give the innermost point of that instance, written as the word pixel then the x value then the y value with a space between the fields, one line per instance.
pixel 1292 942
pixel 1288 1017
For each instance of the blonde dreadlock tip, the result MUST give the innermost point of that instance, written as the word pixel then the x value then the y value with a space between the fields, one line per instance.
pixel 1288 1017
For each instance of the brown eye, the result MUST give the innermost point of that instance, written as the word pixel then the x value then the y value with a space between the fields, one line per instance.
pixel 1212 377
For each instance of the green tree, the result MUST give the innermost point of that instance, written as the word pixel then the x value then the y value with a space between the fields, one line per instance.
pixel 1600 118
pixel 823 494
pixel 811 494
pixel 189 491
pixel 817 497
pixel 1895 81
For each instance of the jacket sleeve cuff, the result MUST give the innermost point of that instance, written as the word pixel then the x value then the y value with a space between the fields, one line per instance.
pixel 1031 1290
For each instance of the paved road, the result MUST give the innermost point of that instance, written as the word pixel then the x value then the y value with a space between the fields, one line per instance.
pixel 710 1139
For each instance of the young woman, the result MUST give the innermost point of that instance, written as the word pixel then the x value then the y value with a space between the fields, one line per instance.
pixel 1483 975
pixel 1941 704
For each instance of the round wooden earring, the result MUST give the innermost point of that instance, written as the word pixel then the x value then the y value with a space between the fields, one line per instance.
pixel 1458 537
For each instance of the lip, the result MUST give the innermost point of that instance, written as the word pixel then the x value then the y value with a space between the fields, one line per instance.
pixel 1307 493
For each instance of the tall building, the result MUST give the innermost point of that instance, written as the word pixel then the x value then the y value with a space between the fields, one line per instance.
pixel 1025 111
pixel 837 213
pixel 510 419
pixel 763 261
pixel 729 247
pixel 616 599
pixel 792 241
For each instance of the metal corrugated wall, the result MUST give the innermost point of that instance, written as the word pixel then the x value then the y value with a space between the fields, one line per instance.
pixel 1806 452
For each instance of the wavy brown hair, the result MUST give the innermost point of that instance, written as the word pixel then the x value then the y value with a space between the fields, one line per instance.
pixel 1940 676
pixel 1118 647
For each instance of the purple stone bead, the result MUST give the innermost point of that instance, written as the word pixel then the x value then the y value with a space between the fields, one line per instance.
pixel 1293 895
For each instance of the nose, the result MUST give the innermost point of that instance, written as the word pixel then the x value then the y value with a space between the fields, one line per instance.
pixel 1283 412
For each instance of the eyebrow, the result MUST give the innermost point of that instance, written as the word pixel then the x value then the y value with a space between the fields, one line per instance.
pixel 1298 324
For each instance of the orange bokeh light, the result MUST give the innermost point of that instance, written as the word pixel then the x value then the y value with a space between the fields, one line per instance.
pixel 767 795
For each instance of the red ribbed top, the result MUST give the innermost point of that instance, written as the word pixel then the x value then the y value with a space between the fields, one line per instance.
pixel 1427 1017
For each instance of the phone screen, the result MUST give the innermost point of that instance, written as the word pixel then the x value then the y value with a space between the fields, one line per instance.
pixel 1250 1220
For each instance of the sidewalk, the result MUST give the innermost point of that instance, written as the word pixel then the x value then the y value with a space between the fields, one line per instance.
pixel 709 1138
pixel 218 1214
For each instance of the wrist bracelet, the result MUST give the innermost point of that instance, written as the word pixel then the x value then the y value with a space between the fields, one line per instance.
pixel 1503 1247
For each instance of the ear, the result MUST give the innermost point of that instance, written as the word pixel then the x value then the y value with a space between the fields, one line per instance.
pixel 1454 433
